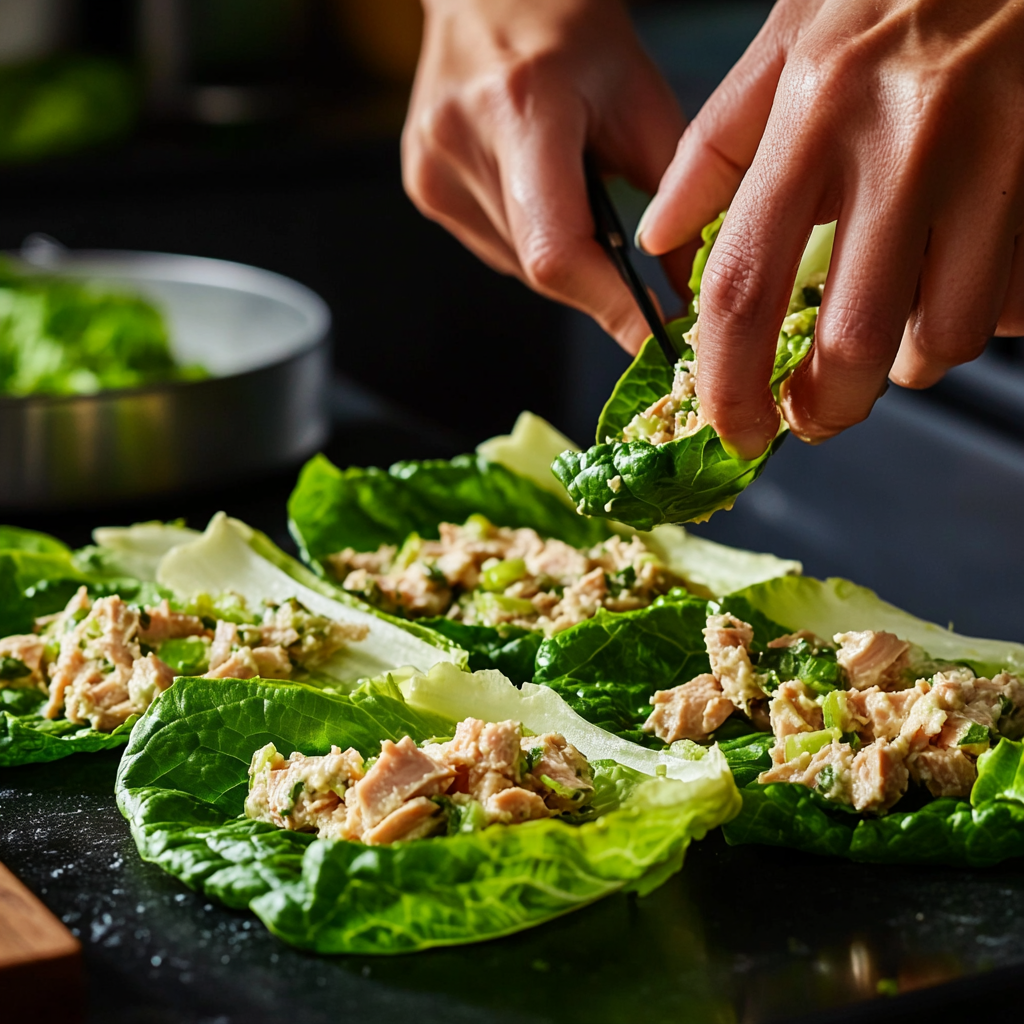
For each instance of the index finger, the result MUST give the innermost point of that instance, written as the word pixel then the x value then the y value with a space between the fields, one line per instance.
pixel 746 288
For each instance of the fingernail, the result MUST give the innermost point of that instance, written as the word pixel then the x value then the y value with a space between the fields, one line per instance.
pixel 746 447
pixel 640 228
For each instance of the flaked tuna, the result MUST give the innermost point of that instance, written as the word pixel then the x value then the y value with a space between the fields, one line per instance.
pixel 690 711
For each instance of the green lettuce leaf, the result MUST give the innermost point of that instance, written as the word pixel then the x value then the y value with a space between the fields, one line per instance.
pixel 183 780
pixel 331 508
pixel 688 479
pixel 38 576
pixel 681 481
pixel 510 482
pixel 510 650
pixel 608 667
pixel 228 557
pixel 27 738
pixel 648 379
pixel 231 556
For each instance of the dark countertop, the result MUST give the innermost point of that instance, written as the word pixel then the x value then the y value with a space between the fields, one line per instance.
pixel 741 934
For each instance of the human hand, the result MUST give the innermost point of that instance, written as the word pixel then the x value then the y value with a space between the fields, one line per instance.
pixel 904 119
pixel 508 94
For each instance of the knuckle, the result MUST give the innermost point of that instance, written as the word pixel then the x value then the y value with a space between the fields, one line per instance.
pixel 423 180
pixel 946 341
pixel 733 287
pixel 859 340
pixel 547 262
pixel 521 82
pixel 440 127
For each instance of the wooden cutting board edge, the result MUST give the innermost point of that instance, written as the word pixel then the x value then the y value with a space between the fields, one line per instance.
pixel 40 960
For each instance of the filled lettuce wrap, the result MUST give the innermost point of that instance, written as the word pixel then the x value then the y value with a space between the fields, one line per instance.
pixel 656 459
pixel 418 810
pixel 89 638
pixel 853 728
pixel 486 550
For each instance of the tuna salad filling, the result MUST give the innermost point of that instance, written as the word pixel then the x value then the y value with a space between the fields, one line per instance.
pixel 488 773
pixel 858 719
pixel 482 574
pixel 678 414
pixel 100 661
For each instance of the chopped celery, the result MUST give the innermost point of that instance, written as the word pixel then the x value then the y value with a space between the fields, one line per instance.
pixel 836 711
pixel 810 742
pixel 186 656
pixel 409 551
pixel 502 575
pixel 566 793
pixel 478 526
pixel 498 604
pixel 262 759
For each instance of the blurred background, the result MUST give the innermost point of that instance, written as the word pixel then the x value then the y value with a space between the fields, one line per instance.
pixel 267 132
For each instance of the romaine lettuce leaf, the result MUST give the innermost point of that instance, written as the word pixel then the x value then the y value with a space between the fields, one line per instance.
pixel 709 569
pixel 681 481
pixel 510 482
pixel 608 667
pixel 38 576
pixel 511 650
pixel 27 738
pixel 648 379
pixel 228 557
pixel 685 480
pixel 331 508
pixel 231 556
pixel 134 550
pixel 183 780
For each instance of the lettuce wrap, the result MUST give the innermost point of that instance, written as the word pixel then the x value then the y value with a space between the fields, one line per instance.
pixel 640 475
pixel 508 482
pixel 183 781
pixel 229 572
pixel 980 829
pixel 610 668
pixel 38 576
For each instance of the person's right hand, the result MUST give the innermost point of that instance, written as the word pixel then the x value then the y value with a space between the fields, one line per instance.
pixel 508 94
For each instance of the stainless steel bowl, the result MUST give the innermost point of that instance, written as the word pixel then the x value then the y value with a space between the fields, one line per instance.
pixel 265 339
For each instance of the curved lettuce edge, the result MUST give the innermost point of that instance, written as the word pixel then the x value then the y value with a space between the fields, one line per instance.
pixel 837 605
pixel 331 508
pixel 183 778
pixel 231 556
pixel 32 739
pixel 689 479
